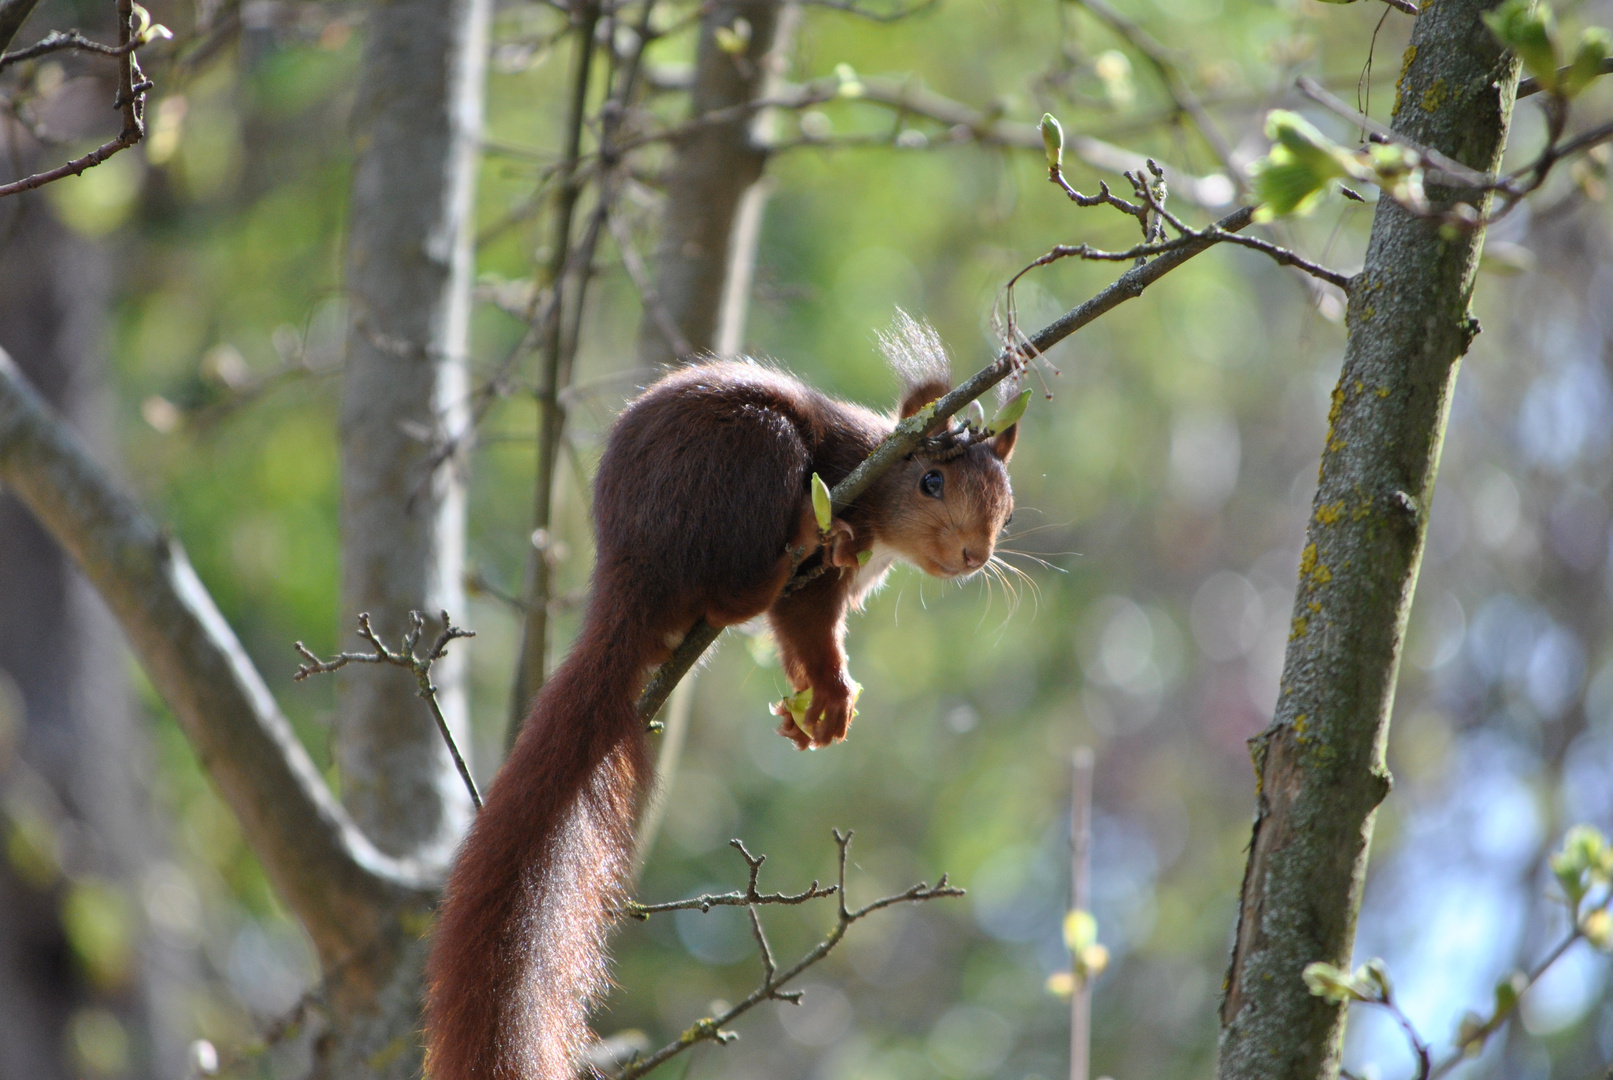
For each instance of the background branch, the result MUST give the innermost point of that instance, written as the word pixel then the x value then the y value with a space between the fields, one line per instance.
pixel 342 889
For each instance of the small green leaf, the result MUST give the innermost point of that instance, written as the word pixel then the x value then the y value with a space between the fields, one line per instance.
pixel 1594 45
pixel 850 85
pixel 822 503
pixel 734 40
pixel 1330 983
pixel 1377 973
pixel 1080 929
pixel 1470 1034
pixel 1052 140
pixel 1598 929
pixel 1508 990
pixel 1009 414
pixel 863 557
pixel 1528 30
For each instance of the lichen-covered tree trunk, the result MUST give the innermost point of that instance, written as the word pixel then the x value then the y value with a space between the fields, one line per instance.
pixel 1320 765
pixel 404 406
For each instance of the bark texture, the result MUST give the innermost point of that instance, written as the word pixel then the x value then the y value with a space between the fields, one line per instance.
pixel 1320 765
pixel 404 407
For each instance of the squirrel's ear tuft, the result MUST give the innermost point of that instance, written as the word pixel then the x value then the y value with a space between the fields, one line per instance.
pixel 914 350
pixel 1002 443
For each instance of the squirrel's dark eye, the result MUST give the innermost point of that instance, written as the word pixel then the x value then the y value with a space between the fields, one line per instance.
pixel 933 484
pixel 1009 520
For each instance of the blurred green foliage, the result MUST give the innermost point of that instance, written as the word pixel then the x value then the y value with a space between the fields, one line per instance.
pixel 1163 485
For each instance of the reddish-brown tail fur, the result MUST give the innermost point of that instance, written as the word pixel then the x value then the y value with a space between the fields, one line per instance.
pixel 519 948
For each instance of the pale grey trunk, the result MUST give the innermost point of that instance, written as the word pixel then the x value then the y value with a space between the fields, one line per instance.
pixel 404 408
pixel 1320 765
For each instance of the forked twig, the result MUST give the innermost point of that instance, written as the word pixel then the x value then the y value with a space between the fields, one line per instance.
pixel 404 657
pixel 714 1028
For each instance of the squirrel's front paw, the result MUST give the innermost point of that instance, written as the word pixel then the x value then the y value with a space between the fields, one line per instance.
pixel 819 714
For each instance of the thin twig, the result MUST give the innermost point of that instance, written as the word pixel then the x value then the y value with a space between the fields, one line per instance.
pixel 649 296
pixel 852 8
pixel 404 656
pixel 749 898
pixel 714 1028
pixel 1165 65
pixel 130 101
pixel 1531 85
pixel 1443 162
pixel 57 40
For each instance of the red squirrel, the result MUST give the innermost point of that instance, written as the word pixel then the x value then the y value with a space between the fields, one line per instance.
pixel 702 509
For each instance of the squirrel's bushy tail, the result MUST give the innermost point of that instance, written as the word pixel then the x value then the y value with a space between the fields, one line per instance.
pixel 519 943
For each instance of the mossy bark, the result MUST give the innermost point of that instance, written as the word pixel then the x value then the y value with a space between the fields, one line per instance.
pixel 1320 765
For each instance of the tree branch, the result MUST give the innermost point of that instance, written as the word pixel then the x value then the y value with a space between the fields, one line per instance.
pixel 130 99
pixel 714 1028
pixel 329 874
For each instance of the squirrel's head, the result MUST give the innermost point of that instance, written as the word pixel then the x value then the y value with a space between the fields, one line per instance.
pixel 944 505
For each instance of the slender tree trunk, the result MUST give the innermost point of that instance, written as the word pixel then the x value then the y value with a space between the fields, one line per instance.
pixel 1320 765
pixel 404 407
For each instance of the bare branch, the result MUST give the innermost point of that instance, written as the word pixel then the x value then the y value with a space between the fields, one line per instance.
pixel 330 875
pixel 962 122
pixel 1443 162
pixel 714 1028
pixel 404 657
pixel 130 100
pixel 1531 85
pixel 56 41
pixel 852 8
pixel 1165 65
pixel 749 898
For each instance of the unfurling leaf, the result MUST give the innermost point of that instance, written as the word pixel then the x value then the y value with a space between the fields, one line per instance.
pixel 1598 929
pixel 1080 930
pixel 1338 986
pixel 822 503
pixel 1009 414
pixel 1052 140
pixel 1470 1034
pixel 1580 860
pixel 734 40
pixel 850 85
pixel 1061 984
pixel 1293 177
pixel 1508 990
pixel 1594 45
pixel 1527 29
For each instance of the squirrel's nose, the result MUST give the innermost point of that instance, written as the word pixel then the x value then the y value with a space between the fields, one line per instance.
pixel 972 560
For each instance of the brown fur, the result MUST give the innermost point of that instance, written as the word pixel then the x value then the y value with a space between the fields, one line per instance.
pixel 702 491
